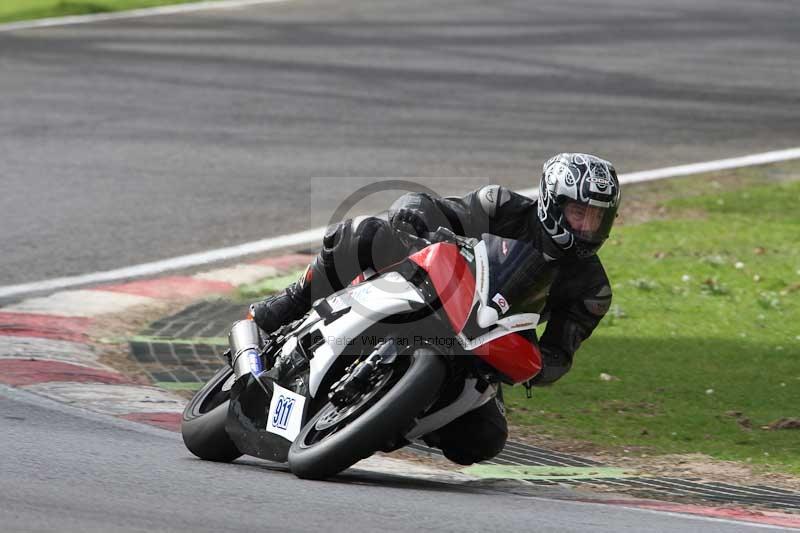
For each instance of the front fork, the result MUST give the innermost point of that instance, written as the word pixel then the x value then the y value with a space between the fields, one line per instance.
pixel 358 377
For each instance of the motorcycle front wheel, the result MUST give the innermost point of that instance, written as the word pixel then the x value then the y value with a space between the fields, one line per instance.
pixel 338 437
pixel 203 424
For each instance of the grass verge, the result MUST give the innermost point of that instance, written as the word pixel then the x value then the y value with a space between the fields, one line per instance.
pixel 16 10
pixel 703 338
pixel 261 289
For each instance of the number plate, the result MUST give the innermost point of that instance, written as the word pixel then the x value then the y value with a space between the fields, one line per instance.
pixel 285 413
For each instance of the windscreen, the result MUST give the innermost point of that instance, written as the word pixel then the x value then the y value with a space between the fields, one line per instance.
pixel 518 273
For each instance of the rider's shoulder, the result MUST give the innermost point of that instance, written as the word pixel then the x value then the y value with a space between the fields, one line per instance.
pixel 493 197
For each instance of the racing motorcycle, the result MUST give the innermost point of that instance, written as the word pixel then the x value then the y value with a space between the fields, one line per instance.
pixel 384 362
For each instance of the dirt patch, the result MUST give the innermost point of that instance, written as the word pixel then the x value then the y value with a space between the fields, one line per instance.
pixel 701 466
pixel 638 462
pixel 785 423
pixel 434 461
pixel 686 466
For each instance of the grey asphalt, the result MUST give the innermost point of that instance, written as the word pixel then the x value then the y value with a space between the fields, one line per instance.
pixel 139 140
pixel 131 141
pixel 64 469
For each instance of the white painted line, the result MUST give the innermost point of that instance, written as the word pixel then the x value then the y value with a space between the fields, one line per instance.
pixel 134 13
pixel 314 236
pixel 239 274
pixel 83 303
pixel 698 168
pixel 111 399
pixel 176 263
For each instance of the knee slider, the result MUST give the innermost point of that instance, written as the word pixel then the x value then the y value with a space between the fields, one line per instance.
pixel 477 436
pixel 333 238
pixel 482 444
pixel 369 231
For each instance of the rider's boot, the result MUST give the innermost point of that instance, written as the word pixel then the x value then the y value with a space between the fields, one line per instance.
pixel 347 250
pixel 295 300
pixel 288 305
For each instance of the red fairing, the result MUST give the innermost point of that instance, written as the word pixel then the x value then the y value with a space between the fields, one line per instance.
pixel 358 279
pixel 452 279
pixel 513 355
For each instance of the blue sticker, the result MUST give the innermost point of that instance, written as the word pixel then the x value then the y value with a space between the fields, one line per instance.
pixel 283 411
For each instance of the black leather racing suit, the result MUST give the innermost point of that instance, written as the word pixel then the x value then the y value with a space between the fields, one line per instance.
pixel 579 297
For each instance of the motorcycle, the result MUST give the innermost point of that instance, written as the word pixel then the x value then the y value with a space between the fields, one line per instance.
pixel 384 362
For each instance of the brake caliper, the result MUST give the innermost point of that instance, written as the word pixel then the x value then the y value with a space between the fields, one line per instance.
pixel 360 376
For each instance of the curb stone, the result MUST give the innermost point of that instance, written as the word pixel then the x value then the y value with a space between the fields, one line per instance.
pixel 46 347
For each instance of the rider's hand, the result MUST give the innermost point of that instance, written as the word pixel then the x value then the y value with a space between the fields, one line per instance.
pixel 412 242
pixel 259 314
pixel 555 364
pixel 444 235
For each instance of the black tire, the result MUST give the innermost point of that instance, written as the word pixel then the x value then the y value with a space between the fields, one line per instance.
pixel 382 421
pixel 203 425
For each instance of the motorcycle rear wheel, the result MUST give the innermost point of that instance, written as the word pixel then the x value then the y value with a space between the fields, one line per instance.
pixel 335 438
pixel 203 424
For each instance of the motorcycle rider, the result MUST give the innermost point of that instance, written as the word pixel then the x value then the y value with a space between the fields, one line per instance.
pixel 578 200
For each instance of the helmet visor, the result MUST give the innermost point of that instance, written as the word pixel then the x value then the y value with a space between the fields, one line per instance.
pixel 589 222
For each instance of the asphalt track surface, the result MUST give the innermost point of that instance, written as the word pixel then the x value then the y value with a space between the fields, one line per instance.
pixel 138 140
pixel 131 141
pixel 67 470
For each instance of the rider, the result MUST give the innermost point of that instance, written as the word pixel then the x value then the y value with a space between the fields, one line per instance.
pixel 579 196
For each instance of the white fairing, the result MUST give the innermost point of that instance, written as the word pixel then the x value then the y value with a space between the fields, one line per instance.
pixel 390 294
pixel 369 302
pixel 469 399
pixel 509 324
pixel 481 273
pixel 487 315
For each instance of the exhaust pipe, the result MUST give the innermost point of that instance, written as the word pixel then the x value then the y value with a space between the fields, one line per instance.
pixel 245 342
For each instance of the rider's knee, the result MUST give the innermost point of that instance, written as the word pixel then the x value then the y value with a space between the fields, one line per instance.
pixel 476 436
pixel 482 444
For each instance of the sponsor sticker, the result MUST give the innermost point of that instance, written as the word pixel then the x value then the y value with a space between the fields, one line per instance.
pixel 256 366
pixel 501 302
pixel 500 406
pixel 285 413
pixel 601 181
pixel 362 293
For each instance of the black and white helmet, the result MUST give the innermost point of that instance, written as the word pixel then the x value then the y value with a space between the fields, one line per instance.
pixel 578 200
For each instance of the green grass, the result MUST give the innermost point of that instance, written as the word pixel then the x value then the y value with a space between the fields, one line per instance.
pixel 14 10
pixel 180 386
pixel 266 287
pixel 705 322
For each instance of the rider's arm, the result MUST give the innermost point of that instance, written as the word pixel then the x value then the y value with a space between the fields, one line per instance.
pixel 490 209
pixel 580 297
